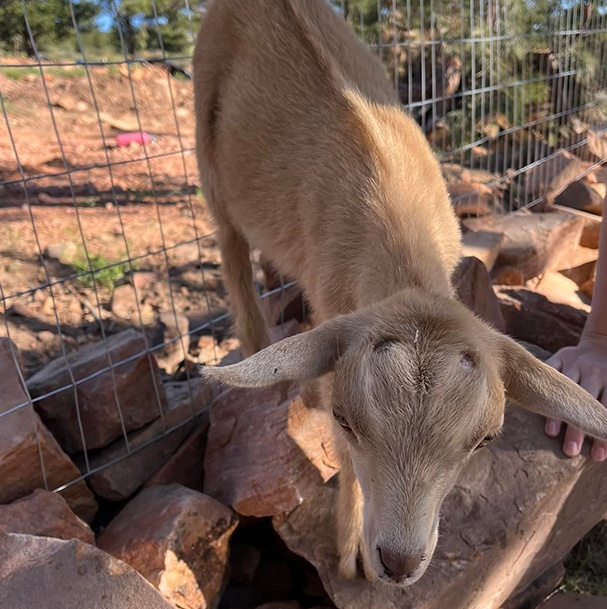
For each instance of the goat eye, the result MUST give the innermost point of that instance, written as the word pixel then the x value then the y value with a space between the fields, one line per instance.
pixel 484 442
pixel 383 346
pixel 342 422
pixel 467 361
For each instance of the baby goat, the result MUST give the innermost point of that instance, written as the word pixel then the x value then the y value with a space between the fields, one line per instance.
pixel 305 153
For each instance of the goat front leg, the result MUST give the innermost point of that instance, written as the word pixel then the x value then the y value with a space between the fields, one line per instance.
pixel 249 322
pixel 349 516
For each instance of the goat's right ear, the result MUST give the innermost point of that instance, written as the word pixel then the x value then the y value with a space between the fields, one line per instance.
pixel 297 358
pixel 542 389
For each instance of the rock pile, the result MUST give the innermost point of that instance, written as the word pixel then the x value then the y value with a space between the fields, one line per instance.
pixel 176 493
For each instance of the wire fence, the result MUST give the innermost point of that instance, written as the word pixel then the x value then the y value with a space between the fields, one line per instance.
pixel 98 237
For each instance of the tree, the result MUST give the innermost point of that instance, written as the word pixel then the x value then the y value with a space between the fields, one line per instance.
pixel 50 22
pixel 153 24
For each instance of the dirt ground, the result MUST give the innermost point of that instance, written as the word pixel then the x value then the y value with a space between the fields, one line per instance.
pixel 85 196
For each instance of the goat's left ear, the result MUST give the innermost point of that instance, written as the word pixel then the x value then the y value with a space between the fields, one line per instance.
pixel 540 388
pixel 297 358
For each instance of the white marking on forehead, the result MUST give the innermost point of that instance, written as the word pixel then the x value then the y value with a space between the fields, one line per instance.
pixel 417 335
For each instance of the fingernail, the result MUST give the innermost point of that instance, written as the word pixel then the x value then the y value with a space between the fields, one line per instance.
pixel 598 454
pixel 571 449
pixel 552 428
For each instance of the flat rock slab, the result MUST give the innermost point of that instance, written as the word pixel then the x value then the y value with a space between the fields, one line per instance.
pixel 122 473
pixel 44 514
pixel 93 415
pixel 178 539
pixel 39 572
pixel 533 243
pixel 26 444
pixel 266 450
pixel 575 601
pixel 531 317
pixel 518 508
pixel 553 176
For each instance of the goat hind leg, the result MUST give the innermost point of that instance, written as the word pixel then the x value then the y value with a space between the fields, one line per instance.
pixel 249 323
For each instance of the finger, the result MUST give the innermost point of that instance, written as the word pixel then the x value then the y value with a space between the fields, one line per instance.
pixel 555 361
pixel 552 428
pixel 573 372
pixel 572 445
pixel 599 450
pixel 592 384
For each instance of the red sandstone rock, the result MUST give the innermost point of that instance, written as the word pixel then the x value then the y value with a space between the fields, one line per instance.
pixel 178 539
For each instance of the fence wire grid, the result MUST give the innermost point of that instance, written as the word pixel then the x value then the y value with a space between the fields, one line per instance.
pixel 98 237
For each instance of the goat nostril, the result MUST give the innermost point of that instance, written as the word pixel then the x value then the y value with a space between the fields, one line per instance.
pixel 399 566
pixel 383 563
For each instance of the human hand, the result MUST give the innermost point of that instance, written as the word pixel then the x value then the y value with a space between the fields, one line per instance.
pixel 586 364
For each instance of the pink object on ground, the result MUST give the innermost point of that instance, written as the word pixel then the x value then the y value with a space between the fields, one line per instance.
pixel 135 137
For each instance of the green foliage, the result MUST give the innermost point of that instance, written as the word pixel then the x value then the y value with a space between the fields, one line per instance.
pixel 136 26
pixel 105 272
pixel 587 564
pixel 50 22
pixel 60 72
pixel 147 24
pixel 516 48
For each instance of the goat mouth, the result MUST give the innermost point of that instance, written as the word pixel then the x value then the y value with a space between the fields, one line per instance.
pixel 398 583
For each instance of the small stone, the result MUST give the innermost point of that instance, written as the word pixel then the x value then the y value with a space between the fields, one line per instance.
pixel 65 253
pixel 143 280
pixel 125 303
pixel 48 307
pixel 44 514
pixel 211 353
pixel 178 539
pixel 38 572
pixel 21 310
pixel 129 394
pixel 173 334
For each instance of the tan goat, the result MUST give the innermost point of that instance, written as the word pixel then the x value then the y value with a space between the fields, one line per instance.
pixel 305 154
